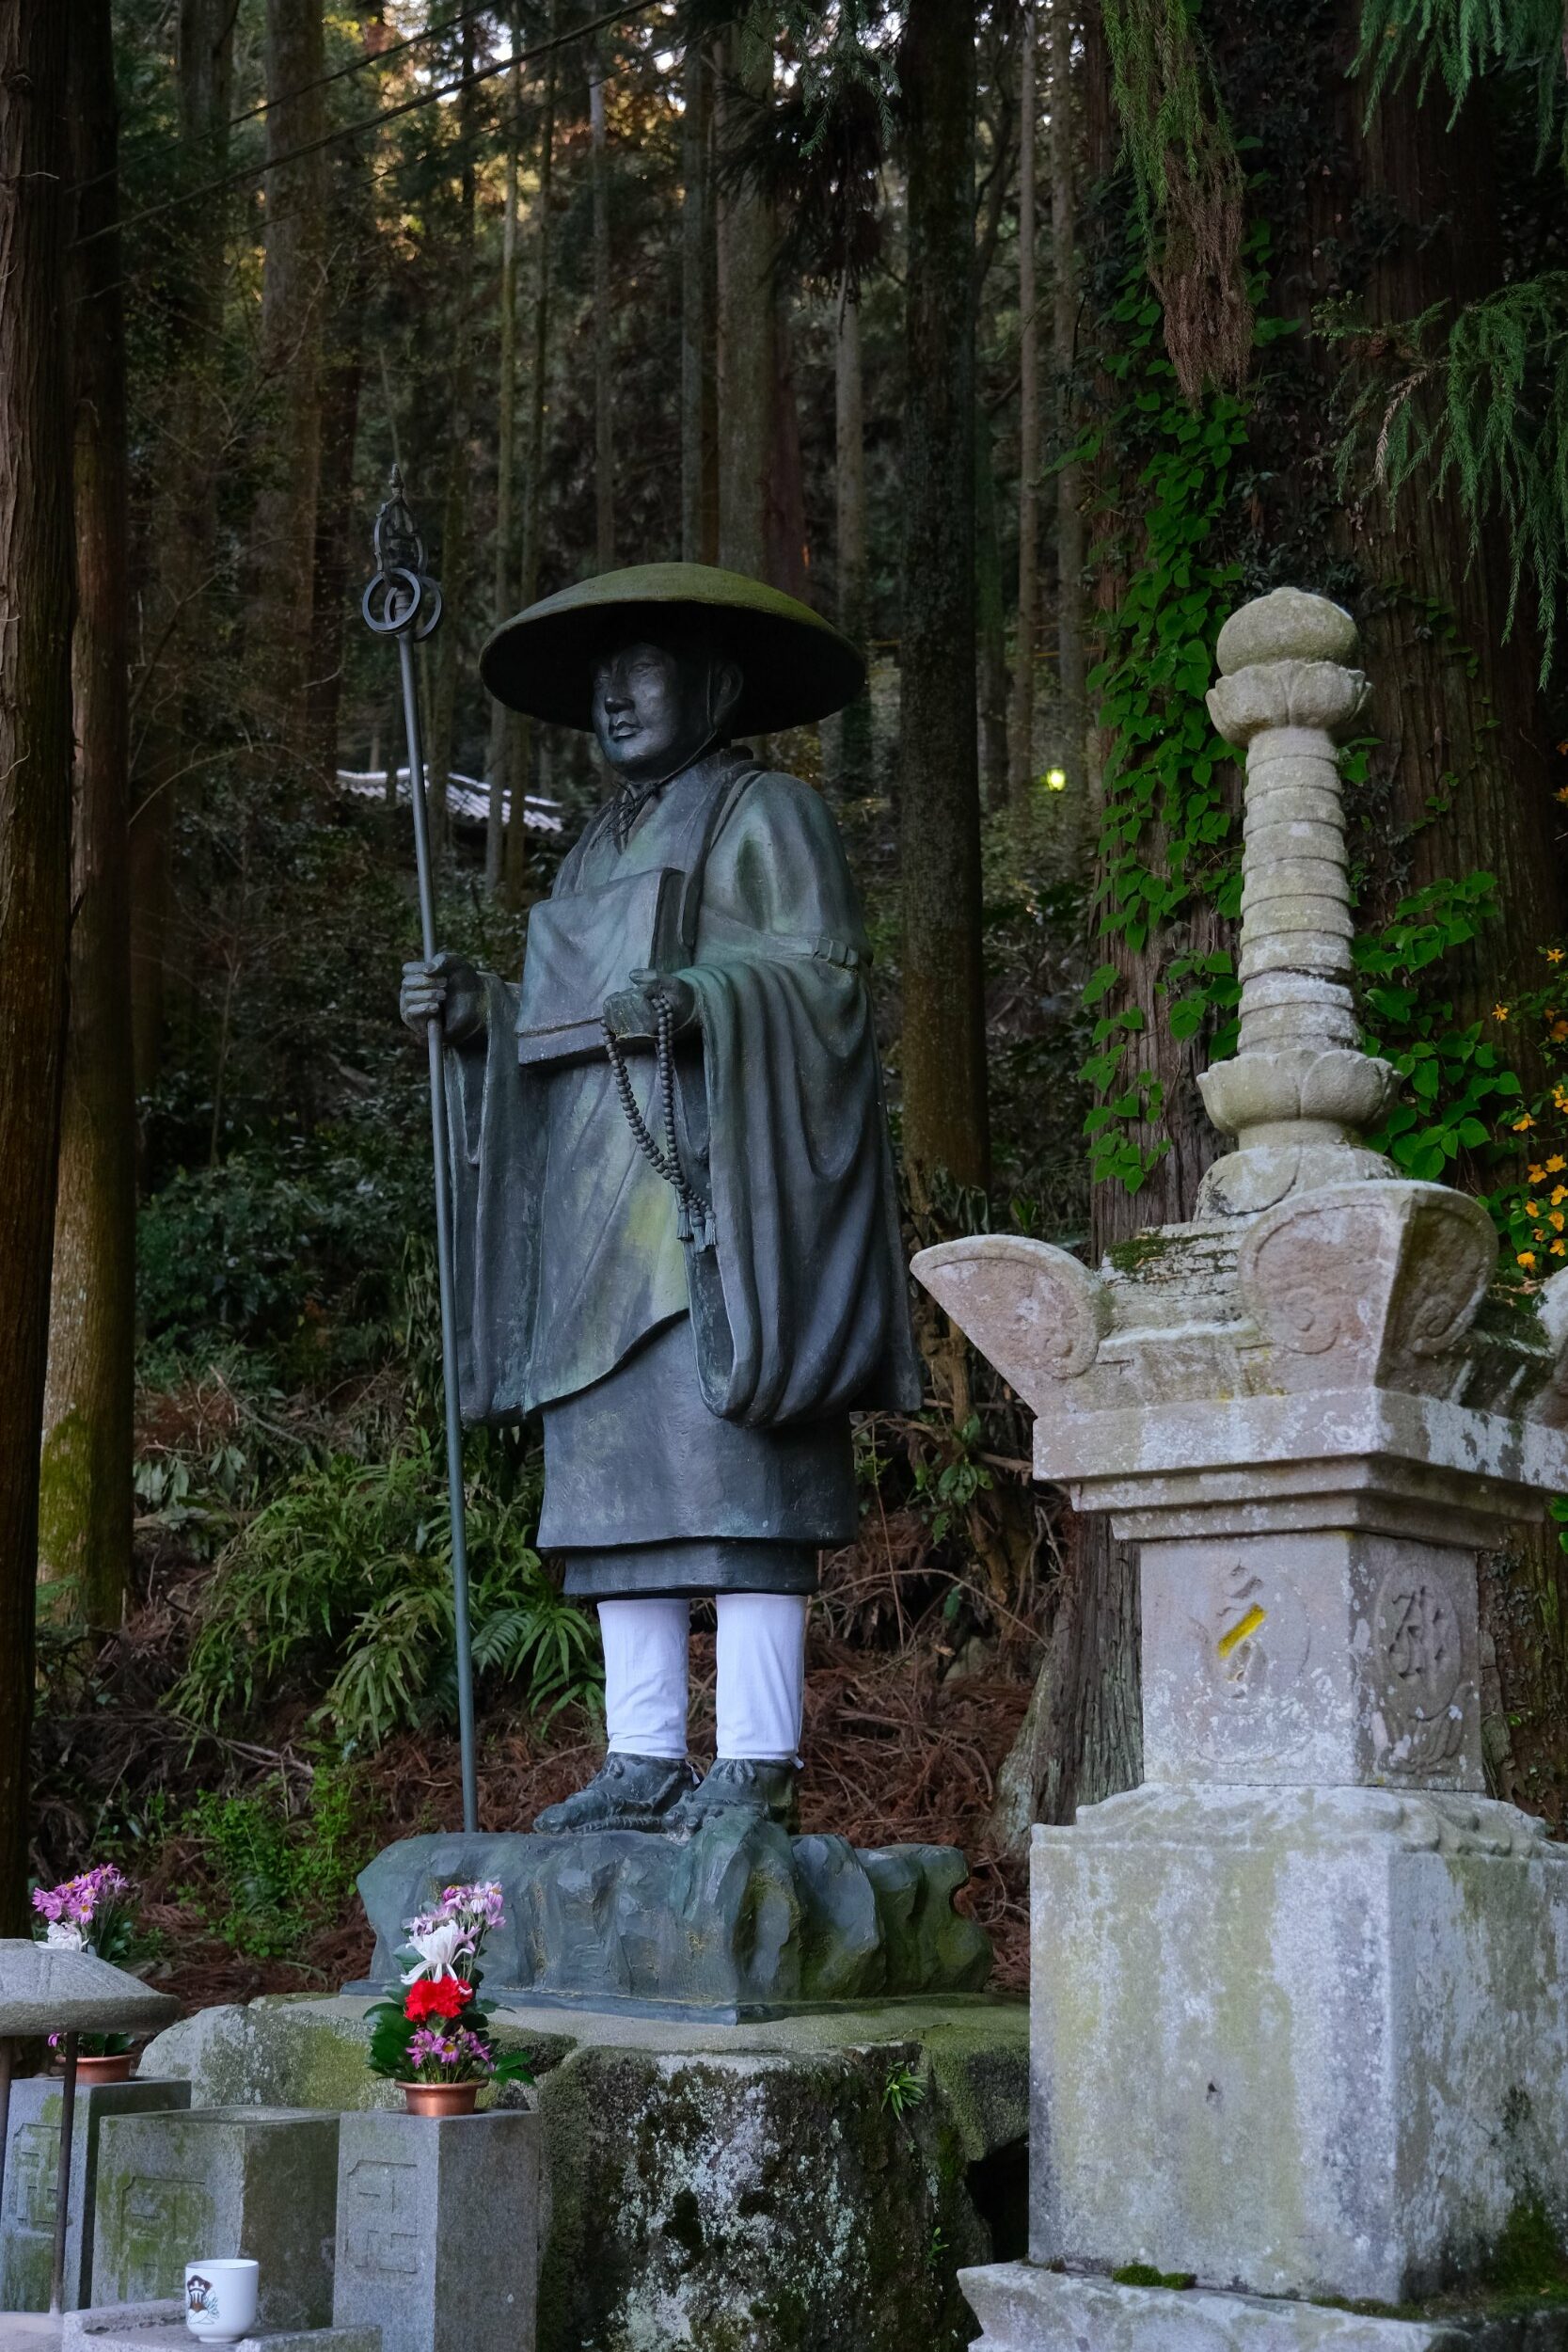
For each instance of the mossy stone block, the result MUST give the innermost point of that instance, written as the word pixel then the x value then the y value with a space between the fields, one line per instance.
pixel 32 2169
pixel 220 2180
pixel 800 2184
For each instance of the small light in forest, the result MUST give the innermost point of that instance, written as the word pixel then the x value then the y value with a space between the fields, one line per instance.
pixel 1056 779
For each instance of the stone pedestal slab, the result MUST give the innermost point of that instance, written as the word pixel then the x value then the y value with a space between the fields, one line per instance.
pixel 1331 1656
pixel 160 2326
pixel 220 2180
pixel 1023 2309
pixel 438 2229
pixel 32 2165
pixel 1332 2023
pixel 805 2183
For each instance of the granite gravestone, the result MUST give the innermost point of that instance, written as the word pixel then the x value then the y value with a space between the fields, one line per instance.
pixel 438 2229
pixel 219 2181
pixel 32 2163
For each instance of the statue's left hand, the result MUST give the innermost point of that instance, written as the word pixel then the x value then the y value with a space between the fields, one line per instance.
pixel 632 1013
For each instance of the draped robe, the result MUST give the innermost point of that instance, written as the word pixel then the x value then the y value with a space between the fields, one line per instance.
pixel 706 1450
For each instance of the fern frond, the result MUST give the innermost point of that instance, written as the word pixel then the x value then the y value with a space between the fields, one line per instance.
pixel 343 1585
pixel 1478 407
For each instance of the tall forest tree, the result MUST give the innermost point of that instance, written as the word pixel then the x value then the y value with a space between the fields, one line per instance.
pixel 748 326
pixel 1021 764
pixel 514 864
pixel 943 1045
pixel 603 322
pixel 84 1490
pixel 502 760
pixel 351 234
pixel 293 302
pixel 35 604
pixel 456 508
pixel 1064 349
pixel 699 265
pixel 180 558
pixel 854 727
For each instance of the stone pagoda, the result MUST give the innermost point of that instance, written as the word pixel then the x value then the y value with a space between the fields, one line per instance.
pixel 1300 2002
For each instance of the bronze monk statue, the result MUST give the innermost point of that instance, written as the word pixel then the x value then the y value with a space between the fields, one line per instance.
pixel 677 1230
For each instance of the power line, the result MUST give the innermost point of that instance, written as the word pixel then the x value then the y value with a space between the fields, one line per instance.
pixel 323 81
pixel 369 122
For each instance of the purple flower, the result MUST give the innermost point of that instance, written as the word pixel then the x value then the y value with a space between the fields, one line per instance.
pixel 459 2055
pixel 481 1901
pixel 83 1903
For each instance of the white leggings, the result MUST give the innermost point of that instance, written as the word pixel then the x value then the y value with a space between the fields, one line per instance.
pixel 762 1675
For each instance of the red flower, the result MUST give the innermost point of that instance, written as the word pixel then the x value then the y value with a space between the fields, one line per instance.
pixel 437 1997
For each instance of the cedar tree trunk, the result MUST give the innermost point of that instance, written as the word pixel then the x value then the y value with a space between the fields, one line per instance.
pixel 500 764
pixel 747 326
pixel 185 513
pixel 944 1047
pixel 283 524
pixel 855 745
pixel 604 326
pixel 1020 762
pixel 514 867
pixel 699 445
pixel 84 1503
pixel 36 601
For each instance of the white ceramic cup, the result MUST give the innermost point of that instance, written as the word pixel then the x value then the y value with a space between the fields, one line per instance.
pixel 220 2299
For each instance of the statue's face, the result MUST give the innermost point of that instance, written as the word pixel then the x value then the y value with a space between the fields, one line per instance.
pixel 651 710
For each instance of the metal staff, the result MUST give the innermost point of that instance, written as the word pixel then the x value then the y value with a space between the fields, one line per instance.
pixel 402 601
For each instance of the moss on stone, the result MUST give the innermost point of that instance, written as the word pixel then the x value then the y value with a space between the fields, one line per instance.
pixel 1142 1250
pixel 1524 2272
pixel 1528 2261
pixel 980 2066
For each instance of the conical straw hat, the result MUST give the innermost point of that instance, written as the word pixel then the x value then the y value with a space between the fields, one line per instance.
pixel 796 666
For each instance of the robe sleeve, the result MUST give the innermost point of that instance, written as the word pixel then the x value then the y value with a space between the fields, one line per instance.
pixel 809 1312
pixel 496 1142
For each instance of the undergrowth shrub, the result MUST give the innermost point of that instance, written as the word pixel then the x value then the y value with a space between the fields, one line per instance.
pixel 344 1580
pixel 270 1238
pixel 273 1876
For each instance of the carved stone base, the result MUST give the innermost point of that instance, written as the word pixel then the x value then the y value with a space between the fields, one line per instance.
pixel 1328 1655
pixel 1025 2310
pixel 1308 2041
pixel 738 1921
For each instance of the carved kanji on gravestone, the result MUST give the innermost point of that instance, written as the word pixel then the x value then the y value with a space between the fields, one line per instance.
pixel 381 2216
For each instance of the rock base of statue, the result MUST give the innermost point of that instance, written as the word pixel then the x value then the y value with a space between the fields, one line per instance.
pixel 741 1921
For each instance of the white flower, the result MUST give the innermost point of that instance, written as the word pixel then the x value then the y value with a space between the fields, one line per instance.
pixel 65 1937
pixel 437 1944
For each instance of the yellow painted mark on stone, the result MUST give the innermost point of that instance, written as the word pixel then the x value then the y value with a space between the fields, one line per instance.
pixel 1238 1633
